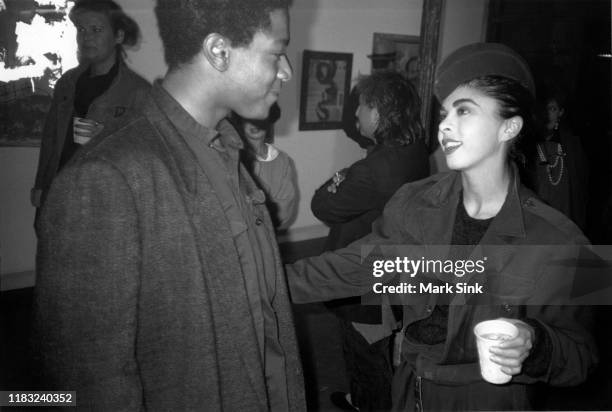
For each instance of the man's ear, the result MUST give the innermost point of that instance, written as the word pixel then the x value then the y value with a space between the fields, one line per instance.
pixel 216 49
pixel 375 116
pixel 512 128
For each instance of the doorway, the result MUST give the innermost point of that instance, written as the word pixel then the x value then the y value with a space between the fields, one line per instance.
pixel 567 44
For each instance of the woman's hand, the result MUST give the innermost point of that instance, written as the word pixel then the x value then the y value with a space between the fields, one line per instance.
pixel 511 354
pixel 85 129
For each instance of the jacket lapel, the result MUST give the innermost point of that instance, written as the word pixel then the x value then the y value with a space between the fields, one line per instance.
pixel 234 323
pixel 495 246
pixel 436 217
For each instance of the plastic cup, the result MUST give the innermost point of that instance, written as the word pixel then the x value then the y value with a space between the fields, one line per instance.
pixel 488 334
pixel 81 138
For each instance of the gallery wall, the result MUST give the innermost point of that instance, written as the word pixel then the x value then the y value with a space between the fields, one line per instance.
pixel 321 25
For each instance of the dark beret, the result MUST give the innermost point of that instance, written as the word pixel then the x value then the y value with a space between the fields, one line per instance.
pixel 481 59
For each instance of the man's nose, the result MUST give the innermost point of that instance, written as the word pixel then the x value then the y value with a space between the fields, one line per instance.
pixel 285 72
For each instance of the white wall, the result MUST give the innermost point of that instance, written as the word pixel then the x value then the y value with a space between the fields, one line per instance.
pixel 17 244
pixel 463 22
pixel 322 25
pixel 338 26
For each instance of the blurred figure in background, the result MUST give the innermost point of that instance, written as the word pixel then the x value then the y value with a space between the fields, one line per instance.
pixel 93 97
pixel 272 169
pixel 387 115
pixel 558 164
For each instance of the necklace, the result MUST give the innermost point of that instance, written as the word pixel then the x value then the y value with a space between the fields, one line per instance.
pixel 550 167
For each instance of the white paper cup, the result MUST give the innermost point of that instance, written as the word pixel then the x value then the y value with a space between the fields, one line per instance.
pixel 491 333
pixel 80 138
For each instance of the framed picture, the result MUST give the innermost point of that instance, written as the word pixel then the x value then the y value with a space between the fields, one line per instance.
pixel 30 67
pixel 326 82
pixel 396 52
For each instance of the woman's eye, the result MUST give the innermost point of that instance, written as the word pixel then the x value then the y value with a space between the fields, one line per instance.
pixel 441 116
pixel 462 111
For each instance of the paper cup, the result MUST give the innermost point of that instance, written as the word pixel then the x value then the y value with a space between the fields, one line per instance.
pixel 490 333
pixel 80 138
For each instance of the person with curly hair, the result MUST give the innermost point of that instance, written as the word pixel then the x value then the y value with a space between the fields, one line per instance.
pixel 159 283
pixel 387 115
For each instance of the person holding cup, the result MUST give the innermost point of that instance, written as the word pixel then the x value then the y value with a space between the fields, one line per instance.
pixel 478 208
pixel 93 97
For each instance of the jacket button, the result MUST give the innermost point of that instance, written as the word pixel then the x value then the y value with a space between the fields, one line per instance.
pixel 507 308
pixel 428 309
pixel 258 221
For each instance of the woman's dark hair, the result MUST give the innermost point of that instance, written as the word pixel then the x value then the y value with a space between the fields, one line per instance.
pixel 265 124
pixel 514 100
pixel 115 14
pixel 398 106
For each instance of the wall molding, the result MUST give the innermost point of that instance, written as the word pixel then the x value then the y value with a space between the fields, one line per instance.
pixel 17 280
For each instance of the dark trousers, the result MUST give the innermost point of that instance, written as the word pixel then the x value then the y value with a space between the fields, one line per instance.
pixel 369 369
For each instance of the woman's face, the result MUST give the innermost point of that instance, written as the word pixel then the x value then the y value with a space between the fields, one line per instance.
pixel 554 113
pixel 95 37
pixel 471 133
pixel 367 119
pixel 253 132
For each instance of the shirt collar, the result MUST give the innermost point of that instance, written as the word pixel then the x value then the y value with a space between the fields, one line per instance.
pixel 509 221
pixel 271 153
pixel 179 117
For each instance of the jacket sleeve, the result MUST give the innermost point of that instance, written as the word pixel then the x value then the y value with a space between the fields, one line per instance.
pixel 356 195
pixel 566 323
pixel 349 271
pixel 85 308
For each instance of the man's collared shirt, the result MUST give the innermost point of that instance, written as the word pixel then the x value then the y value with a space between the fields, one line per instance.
pixel 217 153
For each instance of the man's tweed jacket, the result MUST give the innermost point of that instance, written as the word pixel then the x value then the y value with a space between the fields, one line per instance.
pixel 140 301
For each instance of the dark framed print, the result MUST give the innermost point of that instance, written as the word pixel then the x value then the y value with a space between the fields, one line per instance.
pixel 326 82
pixel 397 52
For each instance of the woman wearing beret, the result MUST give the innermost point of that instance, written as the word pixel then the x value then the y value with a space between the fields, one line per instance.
pixel 479 208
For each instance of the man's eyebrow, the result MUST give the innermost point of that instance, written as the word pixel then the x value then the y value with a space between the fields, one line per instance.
pixel 461 101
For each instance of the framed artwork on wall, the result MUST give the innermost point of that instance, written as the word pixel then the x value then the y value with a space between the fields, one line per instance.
pixel 396 52
pixel 326 82
pixel 30 67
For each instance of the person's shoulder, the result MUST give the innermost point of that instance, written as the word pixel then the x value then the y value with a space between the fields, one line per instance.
pixel 133 79
pixel 127 147
pixel 73 73
pixel 403 156
pixel 443 179
pixel 70 77
pixel 417 146
pixel 414 192
pixel 282 156
pixel 546 224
